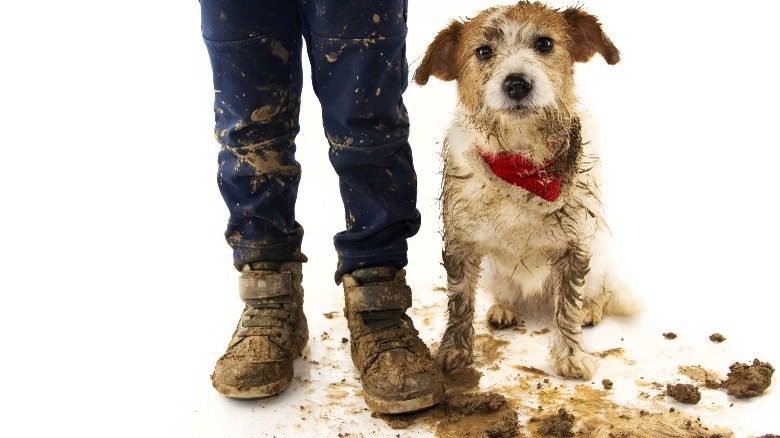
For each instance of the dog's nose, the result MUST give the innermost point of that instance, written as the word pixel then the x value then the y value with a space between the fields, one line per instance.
pixel 516 86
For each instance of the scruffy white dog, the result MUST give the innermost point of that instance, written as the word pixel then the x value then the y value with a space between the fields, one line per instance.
pixel 520 197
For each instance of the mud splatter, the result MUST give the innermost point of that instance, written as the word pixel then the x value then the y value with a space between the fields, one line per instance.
pixel 531 370
pixel 597 416
pixel 699 374
pixel 462 380
pixel 489 346
pixel 278 50
pixel 264 114
pixel 617 352
pixel 462 413
pixel 471 415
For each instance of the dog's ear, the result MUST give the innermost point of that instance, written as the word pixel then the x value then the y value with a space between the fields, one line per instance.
pixel 588 38
pixel 440 58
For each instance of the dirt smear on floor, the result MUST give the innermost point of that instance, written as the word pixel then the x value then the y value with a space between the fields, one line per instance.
pixel 699 374
pixel 464 414
pixel 584 411
pixel 536 404
pixel 490 347
pixel 555 408
pixel 743 381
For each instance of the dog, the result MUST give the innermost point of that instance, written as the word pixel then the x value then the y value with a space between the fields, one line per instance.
pixel 520 193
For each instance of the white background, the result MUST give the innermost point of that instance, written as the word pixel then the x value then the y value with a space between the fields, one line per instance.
pixel 118 289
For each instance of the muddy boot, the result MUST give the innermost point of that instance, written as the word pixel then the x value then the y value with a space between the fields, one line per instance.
pixel 270 335
pixel 397 371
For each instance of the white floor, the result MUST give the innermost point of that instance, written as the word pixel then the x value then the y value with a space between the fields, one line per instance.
pixel 118 290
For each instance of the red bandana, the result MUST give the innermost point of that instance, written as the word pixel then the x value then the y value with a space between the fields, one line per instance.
pixel 544 181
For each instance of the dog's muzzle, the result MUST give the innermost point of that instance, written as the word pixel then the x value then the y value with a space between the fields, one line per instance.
pixel 517 86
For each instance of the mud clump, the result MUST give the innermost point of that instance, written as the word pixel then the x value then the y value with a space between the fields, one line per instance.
pixel 559 424
pixel 469 404
pixel 746 381
pixel 607 384
pixel 684 393
pixel 670 335
pixel 712 384
pixel 478 415
pixel 717 337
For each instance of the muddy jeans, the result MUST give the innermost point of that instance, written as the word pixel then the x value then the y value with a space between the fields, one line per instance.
pixel 357 52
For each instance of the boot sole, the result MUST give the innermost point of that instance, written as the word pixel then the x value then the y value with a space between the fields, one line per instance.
pixel 385 406
pixel 252 392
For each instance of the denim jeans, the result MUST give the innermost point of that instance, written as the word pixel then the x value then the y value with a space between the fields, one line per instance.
pixel 356 49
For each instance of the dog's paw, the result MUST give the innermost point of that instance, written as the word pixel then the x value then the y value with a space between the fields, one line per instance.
pixel 452 358
pixel 592 312
pixel 502 315
pixel 577 366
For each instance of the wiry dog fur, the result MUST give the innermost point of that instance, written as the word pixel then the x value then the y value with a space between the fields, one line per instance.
pixel 527 251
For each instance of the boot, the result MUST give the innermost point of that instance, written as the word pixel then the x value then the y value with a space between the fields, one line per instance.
pixel 397 372
pixel 270 335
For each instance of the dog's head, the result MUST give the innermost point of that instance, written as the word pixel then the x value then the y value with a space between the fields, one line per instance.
pixel 514 67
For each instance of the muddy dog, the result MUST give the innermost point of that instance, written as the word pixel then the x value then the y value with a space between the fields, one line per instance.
pixel 520 196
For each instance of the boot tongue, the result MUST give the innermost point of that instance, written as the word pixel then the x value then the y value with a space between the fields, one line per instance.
pixel 379 274
pixel 378 320
pixel 265 266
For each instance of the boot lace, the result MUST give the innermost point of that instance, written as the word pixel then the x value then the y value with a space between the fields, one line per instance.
pixel 388 330
pixel 272 318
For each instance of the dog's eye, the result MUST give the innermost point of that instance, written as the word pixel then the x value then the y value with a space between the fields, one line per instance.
pixel 543 44
pixel 484 53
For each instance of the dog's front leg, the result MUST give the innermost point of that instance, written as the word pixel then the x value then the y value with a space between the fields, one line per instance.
pixel 457 343
pixel 567 280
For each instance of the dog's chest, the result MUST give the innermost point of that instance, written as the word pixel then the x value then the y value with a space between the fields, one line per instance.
pixel 500 218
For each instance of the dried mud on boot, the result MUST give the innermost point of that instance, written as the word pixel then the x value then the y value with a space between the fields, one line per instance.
pixel 746 381
pixel 684 393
